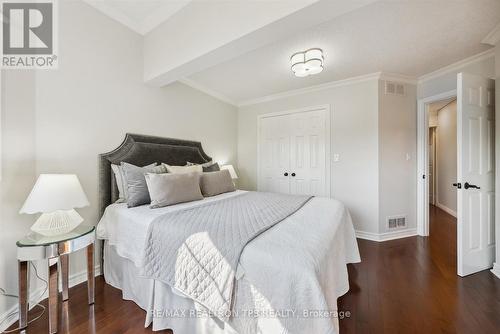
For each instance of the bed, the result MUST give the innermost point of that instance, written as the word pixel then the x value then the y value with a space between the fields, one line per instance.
pixel 287 279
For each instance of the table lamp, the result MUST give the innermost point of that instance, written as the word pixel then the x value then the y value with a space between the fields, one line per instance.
pixel 231 170
pixel 55 196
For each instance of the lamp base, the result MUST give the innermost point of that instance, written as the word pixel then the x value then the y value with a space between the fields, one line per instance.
pixel 57 222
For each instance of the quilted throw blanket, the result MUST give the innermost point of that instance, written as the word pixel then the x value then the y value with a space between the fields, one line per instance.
pixel 197 250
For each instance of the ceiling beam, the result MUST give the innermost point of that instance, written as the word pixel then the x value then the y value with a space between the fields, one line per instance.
pixel 205 34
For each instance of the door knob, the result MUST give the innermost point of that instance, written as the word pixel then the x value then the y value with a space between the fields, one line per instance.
pixel 467 185
pixel 286 174
pixel 293 174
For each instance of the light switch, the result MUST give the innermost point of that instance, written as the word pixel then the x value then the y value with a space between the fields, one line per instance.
pixel 408 156
pixel 336 157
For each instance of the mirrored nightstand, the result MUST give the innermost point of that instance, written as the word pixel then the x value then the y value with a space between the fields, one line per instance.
pixel 38 247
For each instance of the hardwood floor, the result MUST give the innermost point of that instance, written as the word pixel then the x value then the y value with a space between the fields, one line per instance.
pixel 402 286
pixel 410 286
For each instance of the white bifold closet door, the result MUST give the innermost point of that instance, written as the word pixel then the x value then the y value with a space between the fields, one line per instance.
pixel 293 153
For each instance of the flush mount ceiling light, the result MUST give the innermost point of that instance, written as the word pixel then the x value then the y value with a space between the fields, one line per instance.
pixel 307 62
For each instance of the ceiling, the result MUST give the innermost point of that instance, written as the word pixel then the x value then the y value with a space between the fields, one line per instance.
pixel 142 16
pixel 408 37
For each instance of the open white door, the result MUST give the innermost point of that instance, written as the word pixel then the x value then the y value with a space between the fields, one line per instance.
pixel 476 173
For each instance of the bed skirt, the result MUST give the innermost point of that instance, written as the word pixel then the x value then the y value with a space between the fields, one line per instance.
pixel 164 309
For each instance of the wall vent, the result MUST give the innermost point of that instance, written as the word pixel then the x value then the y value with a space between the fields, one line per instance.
pixel 394 88
pixel 396 222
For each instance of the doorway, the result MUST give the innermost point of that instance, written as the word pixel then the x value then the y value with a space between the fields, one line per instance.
pixel 443 155
pixel 428 132
pixel 442 152
pixel 475 171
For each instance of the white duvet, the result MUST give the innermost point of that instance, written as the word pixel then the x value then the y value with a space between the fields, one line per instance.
pixel 289 278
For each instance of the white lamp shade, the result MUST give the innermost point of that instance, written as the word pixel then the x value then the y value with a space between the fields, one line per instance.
pixel 231 170
pixel 53 192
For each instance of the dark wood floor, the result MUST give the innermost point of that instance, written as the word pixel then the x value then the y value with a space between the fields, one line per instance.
pixel 410 286
pixel 403 286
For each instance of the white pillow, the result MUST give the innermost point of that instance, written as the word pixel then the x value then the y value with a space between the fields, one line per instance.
pixel 184 169
pixel 119 182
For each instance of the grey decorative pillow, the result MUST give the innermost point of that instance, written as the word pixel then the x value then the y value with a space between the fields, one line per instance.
pixel 207 166
pixel 212 168
pixel 170 188
pixel 135 183
pixel 215 183
pixel 122 191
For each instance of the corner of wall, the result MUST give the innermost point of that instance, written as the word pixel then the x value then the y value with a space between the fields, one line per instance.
pixel 397 159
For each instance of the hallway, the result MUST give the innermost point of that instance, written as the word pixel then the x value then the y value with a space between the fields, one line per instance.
pixel 411 285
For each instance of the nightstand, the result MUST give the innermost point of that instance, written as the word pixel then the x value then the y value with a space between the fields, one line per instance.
pixel 56 250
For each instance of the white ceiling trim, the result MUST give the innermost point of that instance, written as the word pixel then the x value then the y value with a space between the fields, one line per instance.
pixel 149 23
pixel 457 66
pixel 208 91
pixel 345 82
pixel 398 78
pixel 493 37
pixel 327 85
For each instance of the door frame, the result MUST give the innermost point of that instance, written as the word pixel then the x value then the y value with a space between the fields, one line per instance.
pixel 328 163
pixel 435 167
pixel 422 159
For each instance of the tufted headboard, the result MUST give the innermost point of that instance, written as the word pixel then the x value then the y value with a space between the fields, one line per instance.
pixel 142 150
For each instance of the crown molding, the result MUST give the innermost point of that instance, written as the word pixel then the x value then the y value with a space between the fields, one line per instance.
pixel 159 16
pixel 493 38
pixel 208 91
pixel 310 89
pixel 457 66
pixel 398 78
pixel 332 84
pixel 349 81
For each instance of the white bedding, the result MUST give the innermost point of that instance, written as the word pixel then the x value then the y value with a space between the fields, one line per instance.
pixel 297 268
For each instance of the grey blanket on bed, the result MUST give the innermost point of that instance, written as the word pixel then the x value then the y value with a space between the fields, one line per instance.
pixel 197 250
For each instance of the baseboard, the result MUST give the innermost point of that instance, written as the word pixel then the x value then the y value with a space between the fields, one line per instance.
pixel 446 209
pixel 379 237
pixel 36 296
pixel 496 269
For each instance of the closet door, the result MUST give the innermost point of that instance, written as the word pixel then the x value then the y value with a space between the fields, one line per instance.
pixel 308 153
pixel 274 154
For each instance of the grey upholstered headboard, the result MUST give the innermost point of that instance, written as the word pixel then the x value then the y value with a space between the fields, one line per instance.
pixel 142 150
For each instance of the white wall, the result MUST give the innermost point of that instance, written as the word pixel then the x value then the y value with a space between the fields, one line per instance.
pixel 354 135
pixel 372 132
pixel 447 157
pixel 60 120
pixel 397 156
pixel 18 170
pixel 433 118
